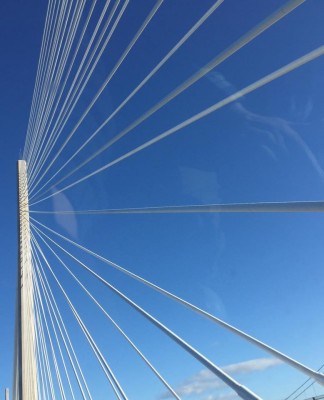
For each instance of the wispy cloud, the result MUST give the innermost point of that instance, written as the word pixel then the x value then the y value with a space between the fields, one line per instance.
pixel 270 152
pixel 302 109
pixel 279 128
pixel 205 381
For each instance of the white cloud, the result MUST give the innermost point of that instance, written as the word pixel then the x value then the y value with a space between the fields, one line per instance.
pixel 258 364
pixel 205 380
pixel 228 396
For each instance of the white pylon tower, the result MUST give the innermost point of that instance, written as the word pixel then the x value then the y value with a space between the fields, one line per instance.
pixel 25 385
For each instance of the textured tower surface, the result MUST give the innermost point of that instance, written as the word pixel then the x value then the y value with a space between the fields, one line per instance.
pixel 26 379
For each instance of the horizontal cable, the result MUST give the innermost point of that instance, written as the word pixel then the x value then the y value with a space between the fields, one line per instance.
pixel 289 206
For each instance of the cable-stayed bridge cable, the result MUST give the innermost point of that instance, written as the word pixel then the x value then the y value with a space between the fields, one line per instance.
pixel 48 21
pixel 138 87
pixel 286 359
pixel 41 73
pixel 228 100
pixel 43 304
pixel 63 331
pixel 49 336
pixel 48 80
pixel 251 35
pixel 71 64
pixel 159 376
pixel 57 86
pixel 109 77
pixel 241 390
pixel 75 91
pixel 101 359
pixel 272 207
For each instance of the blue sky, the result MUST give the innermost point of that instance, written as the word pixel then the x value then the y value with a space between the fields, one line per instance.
pixel 260 272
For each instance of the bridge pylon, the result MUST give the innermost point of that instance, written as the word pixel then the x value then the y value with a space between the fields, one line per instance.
pixel 25 374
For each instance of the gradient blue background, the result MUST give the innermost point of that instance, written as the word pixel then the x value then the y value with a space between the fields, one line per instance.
pixel 262 273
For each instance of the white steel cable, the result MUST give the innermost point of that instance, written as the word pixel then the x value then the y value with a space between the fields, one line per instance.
pixel 97 356
pixel 71 64
pixel 288 360
pixel 64 340
pixel 105 366
pixel 194 28
pixel 55 131
pixel 48 21
pixel 72 99
pixel 57 86
pixel 56 43
pixel 40 331
pixel 251 35
pixel 39 362
pixel 62 59
pixel 49 49
pixel 273 207
pixel 42 382
pixel 242 391
pixel 46 84
pixel 35 342
pixel 39 353
pixel 109 77
pixel 230 99
pixel 42 362
pixel 40 290
pixel 60 123
pixel 54 358
pixel 41 375
pixel 155 371
pixel 64 333
pixel 48 331
pixel 52 19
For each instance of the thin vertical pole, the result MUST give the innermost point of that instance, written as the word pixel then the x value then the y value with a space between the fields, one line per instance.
pixel 26 370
